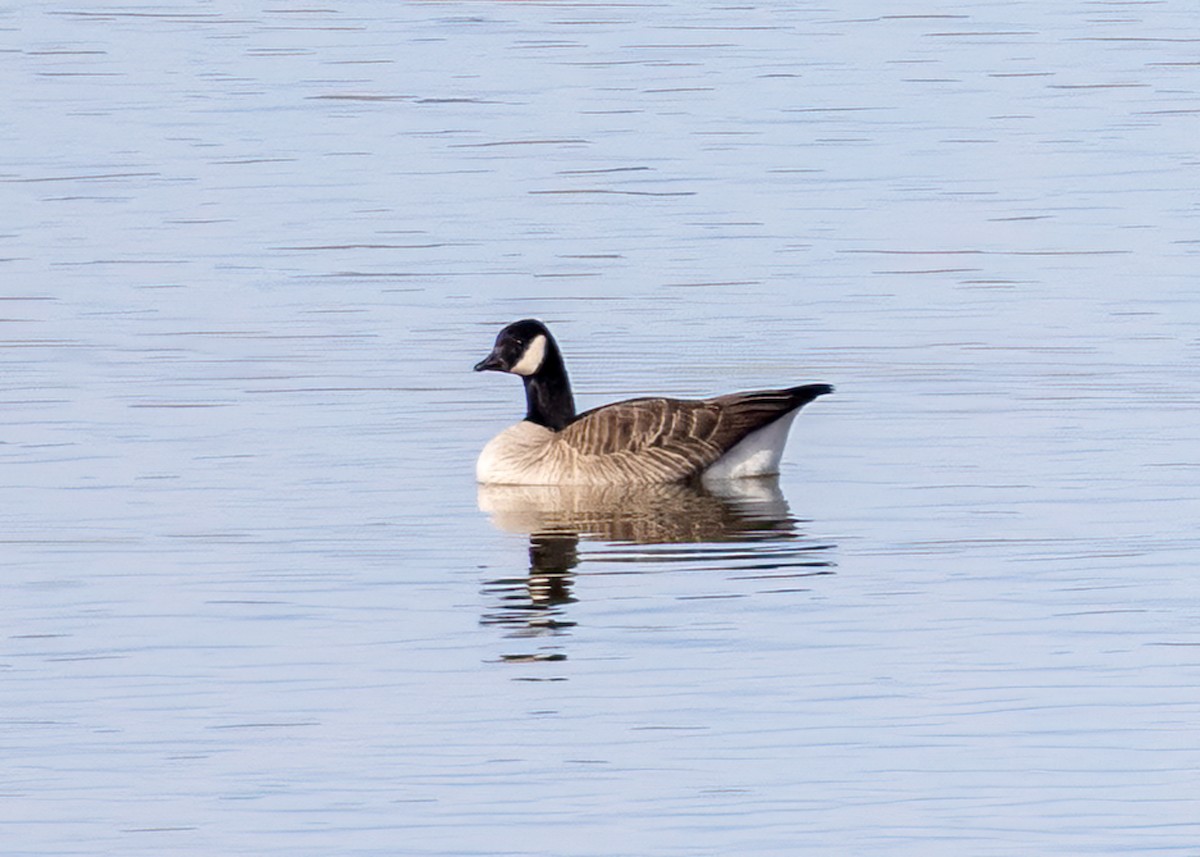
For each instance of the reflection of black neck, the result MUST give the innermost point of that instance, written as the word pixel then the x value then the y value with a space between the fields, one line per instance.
pixel 553 553
pixel 548 398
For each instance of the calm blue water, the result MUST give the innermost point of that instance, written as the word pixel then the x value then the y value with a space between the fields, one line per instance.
pixel 253 602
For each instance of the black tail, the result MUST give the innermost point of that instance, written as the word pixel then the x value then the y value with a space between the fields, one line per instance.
pixel 801 396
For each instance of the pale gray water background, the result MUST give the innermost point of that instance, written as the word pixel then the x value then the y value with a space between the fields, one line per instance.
pixel 250 604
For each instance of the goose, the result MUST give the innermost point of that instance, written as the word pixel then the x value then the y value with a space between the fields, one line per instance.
pixel 638 441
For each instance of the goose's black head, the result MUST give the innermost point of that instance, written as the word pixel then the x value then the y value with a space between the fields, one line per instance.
pixel 526 348
pixel 520 349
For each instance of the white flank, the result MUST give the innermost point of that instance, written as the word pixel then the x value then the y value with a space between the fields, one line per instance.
pixel 757 454
pixel 531 360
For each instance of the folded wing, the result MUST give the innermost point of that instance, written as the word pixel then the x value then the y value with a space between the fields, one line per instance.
pixel 668 440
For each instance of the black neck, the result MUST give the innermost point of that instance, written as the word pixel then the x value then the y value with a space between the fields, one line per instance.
pixel 548 399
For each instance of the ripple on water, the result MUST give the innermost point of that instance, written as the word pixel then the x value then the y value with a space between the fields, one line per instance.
pixel 742 531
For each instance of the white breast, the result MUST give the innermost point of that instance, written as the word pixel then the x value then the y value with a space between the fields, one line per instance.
pixel 516 456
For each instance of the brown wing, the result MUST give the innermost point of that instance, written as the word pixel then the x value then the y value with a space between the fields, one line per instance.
pixel 742 413
pixel 667 440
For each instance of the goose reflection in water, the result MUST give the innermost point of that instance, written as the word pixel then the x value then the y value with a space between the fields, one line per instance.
pixel 743 526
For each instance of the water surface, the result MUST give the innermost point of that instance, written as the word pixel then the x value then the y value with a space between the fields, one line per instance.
pixel 255 603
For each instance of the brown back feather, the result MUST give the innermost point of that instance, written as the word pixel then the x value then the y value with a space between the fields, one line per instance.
pixel 673 439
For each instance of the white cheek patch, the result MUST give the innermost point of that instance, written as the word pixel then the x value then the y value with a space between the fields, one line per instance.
pixel 531 360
